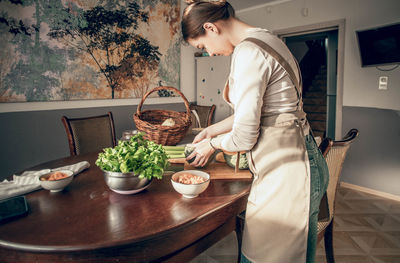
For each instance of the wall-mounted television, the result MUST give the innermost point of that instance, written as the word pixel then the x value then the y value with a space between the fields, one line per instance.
pixel 380 45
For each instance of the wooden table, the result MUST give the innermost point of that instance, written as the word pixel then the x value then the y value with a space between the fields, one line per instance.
pixel 87 222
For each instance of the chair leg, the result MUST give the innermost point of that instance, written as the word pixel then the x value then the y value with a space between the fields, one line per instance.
pixel 239 232
pixel 328 240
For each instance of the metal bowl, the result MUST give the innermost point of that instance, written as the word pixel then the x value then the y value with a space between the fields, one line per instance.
pixel 125 183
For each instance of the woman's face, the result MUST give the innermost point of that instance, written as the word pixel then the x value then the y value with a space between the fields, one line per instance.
pixel 214 43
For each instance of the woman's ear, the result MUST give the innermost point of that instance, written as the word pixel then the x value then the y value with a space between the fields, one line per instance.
pixel 210 27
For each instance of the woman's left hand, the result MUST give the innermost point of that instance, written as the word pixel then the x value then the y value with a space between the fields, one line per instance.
pixel 202 152
pixel 204 134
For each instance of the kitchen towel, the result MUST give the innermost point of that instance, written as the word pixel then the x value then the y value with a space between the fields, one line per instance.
pixel 28 181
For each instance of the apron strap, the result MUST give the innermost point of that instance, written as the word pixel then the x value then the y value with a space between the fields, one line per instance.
pixel 282 61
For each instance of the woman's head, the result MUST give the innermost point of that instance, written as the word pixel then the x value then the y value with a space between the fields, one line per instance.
pixel 197 13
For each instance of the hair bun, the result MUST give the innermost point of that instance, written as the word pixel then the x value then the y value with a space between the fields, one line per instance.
pixel 189 2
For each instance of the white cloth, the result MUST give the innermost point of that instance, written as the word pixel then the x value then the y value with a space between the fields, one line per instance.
pixel 28 181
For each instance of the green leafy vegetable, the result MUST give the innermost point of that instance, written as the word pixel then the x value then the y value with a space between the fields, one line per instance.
pixel 145 158
pixel 174 151
pixel 231 160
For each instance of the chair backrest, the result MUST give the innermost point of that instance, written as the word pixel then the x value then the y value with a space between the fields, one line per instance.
pixel 325 146
pixel 89 134
pixel 204 115
pixel 335 157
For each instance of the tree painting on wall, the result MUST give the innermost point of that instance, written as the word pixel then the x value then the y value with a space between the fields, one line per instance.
pixel 74 50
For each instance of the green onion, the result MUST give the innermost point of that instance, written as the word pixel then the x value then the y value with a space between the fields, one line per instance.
pixel 174 156
pixel 174 148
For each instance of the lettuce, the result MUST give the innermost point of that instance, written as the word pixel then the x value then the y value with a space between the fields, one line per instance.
pixel 145 158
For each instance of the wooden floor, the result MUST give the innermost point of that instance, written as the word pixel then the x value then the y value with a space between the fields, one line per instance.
pixel 366 230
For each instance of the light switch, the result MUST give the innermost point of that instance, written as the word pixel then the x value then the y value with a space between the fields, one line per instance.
pixel 383 82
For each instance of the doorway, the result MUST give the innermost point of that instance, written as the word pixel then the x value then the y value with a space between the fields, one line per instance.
pixel 317 57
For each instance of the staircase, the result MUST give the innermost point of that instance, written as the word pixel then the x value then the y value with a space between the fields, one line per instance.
pixel 314 102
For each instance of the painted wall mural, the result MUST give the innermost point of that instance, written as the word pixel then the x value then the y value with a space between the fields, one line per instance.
pixel 55 50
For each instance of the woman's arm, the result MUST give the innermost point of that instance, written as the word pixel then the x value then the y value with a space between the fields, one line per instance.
pixel 216 129
pixel 240 131
pixel 250 72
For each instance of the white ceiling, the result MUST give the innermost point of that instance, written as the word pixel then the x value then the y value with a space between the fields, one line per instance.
pixel 239 5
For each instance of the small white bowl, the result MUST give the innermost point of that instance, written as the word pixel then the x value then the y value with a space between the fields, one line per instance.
pixel 56 185
pixel 190 190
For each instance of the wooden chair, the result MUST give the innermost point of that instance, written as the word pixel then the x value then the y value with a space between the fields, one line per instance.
pixel 204 115
pixel 89 134
pixel 335 154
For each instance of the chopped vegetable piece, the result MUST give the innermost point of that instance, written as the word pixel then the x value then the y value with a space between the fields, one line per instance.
pixel 188 178
pixel 54 176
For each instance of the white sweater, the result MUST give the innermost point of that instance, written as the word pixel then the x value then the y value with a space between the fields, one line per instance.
pixel 258 87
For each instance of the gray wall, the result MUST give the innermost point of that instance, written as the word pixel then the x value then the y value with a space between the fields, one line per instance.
pixel 360 85
pixel 33 137
pixel 373 160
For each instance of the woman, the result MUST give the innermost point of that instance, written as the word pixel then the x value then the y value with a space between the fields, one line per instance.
pixel 269 123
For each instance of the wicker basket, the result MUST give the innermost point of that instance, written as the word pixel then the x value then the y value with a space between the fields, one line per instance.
pixel 149 121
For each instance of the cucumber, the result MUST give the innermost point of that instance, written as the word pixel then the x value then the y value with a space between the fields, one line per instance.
pixel 190 149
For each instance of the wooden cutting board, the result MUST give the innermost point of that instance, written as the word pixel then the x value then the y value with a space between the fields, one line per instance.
pixel 177 160
pixel 221 171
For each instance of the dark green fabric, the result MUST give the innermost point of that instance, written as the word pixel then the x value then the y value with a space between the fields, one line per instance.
pixel 243 259
pixel 319 184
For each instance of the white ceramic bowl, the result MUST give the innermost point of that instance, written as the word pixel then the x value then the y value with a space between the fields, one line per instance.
pixel 190 190
pixel 56 185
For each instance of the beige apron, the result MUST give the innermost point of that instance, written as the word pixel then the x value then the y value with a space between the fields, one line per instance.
pixel 277 213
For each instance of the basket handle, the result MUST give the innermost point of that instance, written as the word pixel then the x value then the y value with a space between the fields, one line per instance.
pixel 139 108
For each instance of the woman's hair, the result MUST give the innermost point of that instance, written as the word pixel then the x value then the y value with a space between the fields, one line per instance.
pixel 199 12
